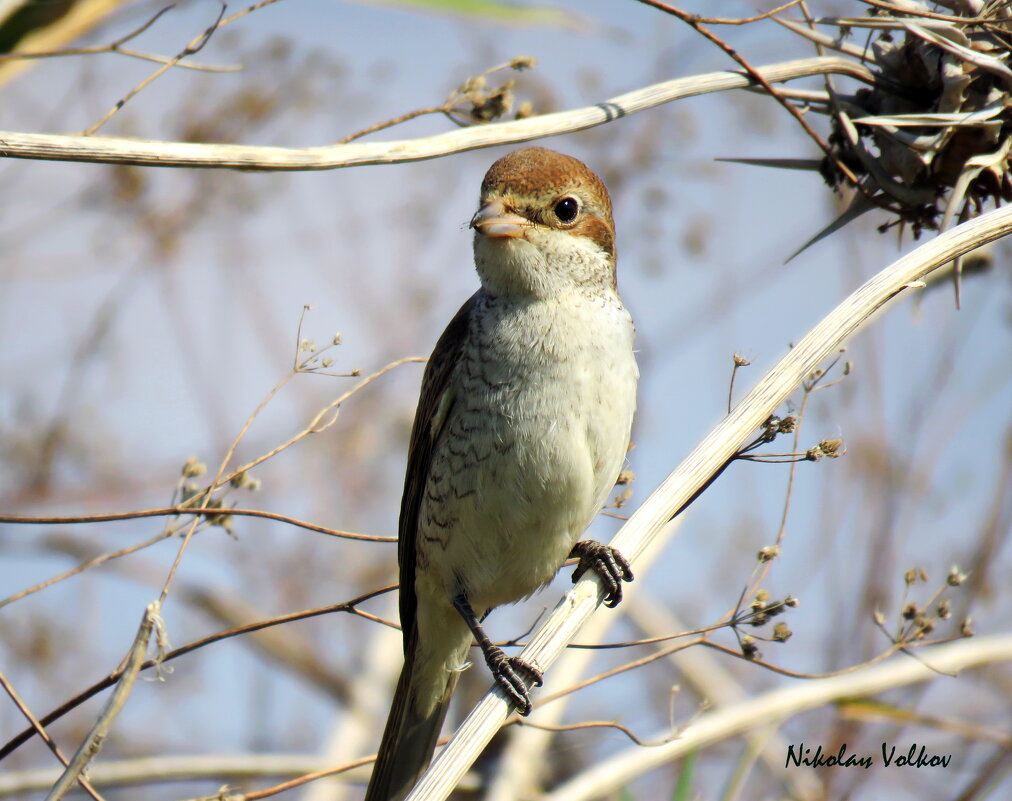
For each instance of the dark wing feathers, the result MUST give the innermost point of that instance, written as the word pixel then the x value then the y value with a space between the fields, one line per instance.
pixel 435 380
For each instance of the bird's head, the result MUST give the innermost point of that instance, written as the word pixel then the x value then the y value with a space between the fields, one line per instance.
pixel 543 226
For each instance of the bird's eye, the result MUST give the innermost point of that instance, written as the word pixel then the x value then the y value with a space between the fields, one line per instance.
pixel 567 209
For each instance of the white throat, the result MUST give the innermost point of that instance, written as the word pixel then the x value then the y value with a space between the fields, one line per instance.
pixel 544 264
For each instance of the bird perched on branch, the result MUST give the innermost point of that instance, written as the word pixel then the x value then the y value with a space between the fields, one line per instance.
pixel 521 431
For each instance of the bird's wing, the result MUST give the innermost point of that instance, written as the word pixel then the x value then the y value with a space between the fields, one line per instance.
pixel 434 404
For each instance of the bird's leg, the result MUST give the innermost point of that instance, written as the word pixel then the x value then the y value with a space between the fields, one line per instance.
pixel 508 671
pixel 610 566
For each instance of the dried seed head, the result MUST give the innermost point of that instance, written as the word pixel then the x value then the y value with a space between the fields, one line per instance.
pixel 749 648
pixel 955 577
pixel 193 467
pixel 493 105
pixel 924 626
pixel 475 84
pixel 831 447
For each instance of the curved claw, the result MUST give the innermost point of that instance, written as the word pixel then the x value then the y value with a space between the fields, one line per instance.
pixel 506 670
pixel 609 565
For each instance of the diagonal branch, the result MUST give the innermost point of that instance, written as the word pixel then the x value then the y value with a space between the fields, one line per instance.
pixel 699 467
pixel 97 735
pixel 770 708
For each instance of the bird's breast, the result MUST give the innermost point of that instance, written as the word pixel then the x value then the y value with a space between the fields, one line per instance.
pixel 543 398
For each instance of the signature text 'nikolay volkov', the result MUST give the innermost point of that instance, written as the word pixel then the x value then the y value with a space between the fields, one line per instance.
pixel 915 757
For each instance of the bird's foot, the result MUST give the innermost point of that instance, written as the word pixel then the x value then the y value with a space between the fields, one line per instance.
pixel 509 673
pixel 610 566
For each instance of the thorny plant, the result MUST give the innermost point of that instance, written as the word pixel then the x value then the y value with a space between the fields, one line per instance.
pixel 931 140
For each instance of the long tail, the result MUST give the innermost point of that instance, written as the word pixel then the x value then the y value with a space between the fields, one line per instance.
pixel 409 737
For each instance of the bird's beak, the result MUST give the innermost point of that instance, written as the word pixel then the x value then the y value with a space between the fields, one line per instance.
pixel 492 220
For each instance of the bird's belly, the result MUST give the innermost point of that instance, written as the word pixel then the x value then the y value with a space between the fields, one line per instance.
pixel 517 501
pixel 515 481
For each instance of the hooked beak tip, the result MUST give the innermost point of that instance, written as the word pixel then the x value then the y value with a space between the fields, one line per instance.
pixel 493 220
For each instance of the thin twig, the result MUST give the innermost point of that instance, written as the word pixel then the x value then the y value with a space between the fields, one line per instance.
pixel 208 513
pixel 218 482
pixel 615 671
pixel 319 422
pixel 116 47
pixel 86 565
pixel 737 654
pixel 379 126
pixel 40 730
pixel 598 724
pixel 168 511
pixel 280 788
pixel 112 678
pixel 693 22
pixel 195 46
pixel 745 20
pixel 739 361
pixel 763 568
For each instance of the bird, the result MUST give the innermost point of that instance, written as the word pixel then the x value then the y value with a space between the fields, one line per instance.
pixel 521 430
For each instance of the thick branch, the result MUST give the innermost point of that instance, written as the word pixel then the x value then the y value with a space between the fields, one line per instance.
pixel 116 150
pixel 698 468
pixel 108 774
pixel 617 771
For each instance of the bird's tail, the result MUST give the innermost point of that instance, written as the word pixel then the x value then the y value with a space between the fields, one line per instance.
pixel 410 735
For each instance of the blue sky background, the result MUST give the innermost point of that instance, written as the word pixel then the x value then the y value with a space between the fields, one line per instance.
pixel 195 328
